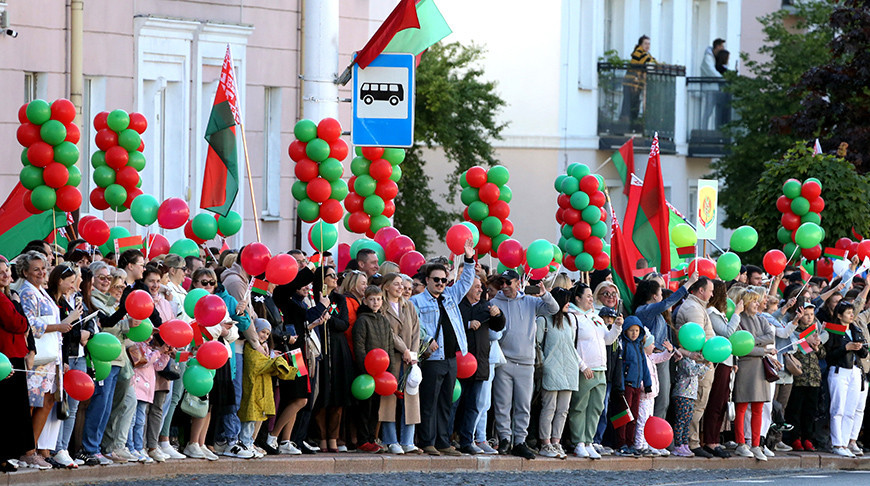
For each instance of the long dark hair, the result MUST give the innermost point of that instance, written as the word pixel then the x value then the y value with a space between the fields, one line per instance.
pixel 719 300
pixel 646 289
pixel 59 273
pixel 562 297
pixel 86 285
pixel 317 285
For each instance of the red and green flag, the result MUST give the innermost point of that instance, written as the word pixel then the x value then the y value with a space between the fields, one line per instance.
pixel 432 29
pixel 805 347
pixel 680 274
pixel 806 271
pixel 18 226
pixel 649 218
pixel 687 252
pixel 621 262
pixel 183 356
pixel 129 243
pixel 404 16
pixel 835 253
pixel 260 287
pixel 220 182
pixel 622 418
pixel 836 328
pixel 623 160
pixel 807 332
pixel 298 362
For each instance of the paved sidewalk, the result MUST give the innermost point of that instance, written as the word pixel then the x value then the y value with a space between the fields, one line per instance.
pixel 357 463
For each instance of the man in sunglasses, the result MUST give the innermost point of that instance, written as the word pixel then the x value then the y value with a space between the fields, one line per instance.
pixel 514 381
pixel 438 310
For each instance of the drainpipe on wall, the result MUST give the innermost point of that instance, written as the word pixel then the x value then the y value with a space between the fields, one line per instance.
pixel 76 76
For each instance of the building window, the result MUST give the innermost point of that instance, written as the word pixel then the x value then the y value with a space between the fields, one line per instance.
pixel 31 87
pixel 272 153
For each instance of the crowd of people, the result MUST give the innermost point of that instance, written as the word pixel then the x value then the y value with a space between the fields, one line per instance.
pixel 556 360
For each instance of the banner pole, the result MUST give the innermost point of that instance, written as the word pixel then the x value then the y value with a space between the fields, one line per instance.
pixel 250 180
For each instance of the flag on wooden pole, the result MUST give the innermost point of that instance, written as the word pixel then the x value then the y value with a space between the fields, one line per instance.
pixel 220 182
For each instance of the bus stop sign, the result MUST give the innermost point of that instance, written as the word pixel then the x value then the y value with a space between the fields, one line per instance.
pixel 383 102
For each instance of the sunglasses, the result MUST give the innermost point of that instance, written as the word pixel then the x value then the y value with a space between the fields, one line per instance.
pixel 439 279
pixel 330 275
pixel 104 278
pixel 608 294
pixel 211 283
pixel 119 287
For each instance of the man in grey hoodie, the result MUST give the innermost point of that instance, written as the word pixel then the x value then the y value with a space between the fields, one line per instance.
pixel 514 381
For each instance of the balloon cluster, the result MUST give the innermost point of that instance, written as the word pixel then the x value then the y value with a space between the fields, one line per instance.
pixel 582 218
pixel 718 348
pixel 801 205
pixel 374 185
pixel 377 379
pixel 318 151
pixel 389 245
pixel 102 349
pixel 536 261
pixel 50 175
pixel 486 195
pixel 118 162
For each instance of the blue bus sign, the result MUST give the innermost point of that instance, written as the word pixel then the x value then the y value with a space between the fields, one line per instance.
pixel 383 102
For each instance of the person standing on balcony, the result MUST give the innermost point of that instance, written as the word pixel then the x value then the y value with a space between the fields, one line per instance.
pixel 635 82
pixel 710 66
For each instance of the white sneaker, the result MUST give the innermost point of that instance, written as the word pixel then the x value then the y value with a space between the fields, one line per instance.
pixel 193 451
pixel 758 453
pixel 405 448
pixel 562 453
pixel 767 452
pixel 663 452
pixel 238 450
pixel 842 451
pixel 395 449
pixel 144 457
pixel 593 454
pixel 743 451
pixel 547 450
pixel 63 458
pixel 171 453
pixel 343 448
pixel 258 453
pixel 157 455
pixel 781 447
pixel 211 456
pixel 580 450
pixel 854 449
pixel 288 447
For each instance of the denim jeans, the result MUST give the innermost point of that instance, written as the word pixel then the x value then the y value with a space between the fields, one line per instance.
pixel 172 402
pixel 97 415
pixel 69 424
pixel 229 424
pixel 484 401
pixel 246 435
pixel 602 423
pixel 470 413
pixel 136 436
pixel 406 432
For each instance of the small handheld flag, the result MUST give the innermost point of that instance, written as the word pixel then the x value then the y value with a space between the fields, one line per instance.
pixel 836 328
pixel 298 362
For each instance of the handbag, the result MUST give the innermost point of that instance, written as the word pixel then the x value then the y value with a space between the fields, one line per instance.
pixel 793 365
pixel 770 373
pixel 196 407
pixel 62 408
pixel 137 357
pixel 171 371
pixel 312 345
pixel 47 345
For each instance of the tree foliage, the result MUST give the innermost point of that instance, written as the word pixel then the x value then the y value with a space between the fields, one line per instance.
pixel 769 92
pixel 846 194
pixel 456 112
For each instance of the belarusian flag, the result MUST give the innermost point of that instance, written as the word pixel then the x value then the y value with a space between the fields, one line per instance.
pixel 804 346
pixel 129 243
pixel 686 252
pixel 18 226
pixel 404 16
pixel 260 287
pixel 836 328
pixel 806 271
pixel 298 362
pixel 432 29
pixel 621 262
pixel 621 418
pixel 623 160
pixel 183 356
pixel 680 274
pixel 807 332
pixel 835 253
pixel 220 182
pixel 651 216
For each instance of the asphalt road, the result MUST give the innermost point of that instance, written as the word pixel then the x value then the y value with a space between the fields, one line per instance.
pixel 812 477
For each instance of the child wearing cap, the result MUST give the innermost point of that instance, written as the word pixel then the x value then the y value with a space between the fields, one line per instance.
pixel 647 400
pixel 636 378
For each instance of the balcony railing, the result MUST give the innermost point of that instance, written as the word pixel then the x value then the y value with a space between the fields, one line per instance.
pixel 709 110
pixel 637 101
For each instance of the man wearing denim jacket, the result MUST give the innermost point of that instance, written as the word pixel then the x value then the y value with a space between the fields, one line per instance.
pixel 438 310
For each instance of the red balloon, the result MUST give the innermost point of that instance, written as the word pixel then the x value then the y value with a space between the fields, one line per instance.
pixel 790 221
pixel 385 384
pixel 774 262
pixel 353 202
pixel 536 273
pixel 132 194
pixel 500 210
pixel 306 170
pixel 255 258
pixel 176 333
pixel 466 365
pixel 117 157
pixel 63 111
pixel 853 248
pixel 410 262
pixel 55 175
pixel 40 154
pixel 28 204
pixel 359 222
pixel 97 233
pixel 564 201
pixel 385 235
pixel 510 253
pixel 387 190
pixel 603 215
pixel 343 256
pixel 22 114
pixel 138 122
pixel 813 253
pixel 706 267
pixel 389 209
pixel 373 153
pixel 73 134
pixel 457 235
pixel 380 170
pixel 319 189
pixel 127 177
pixel 593 246
pixel 817 205
pixel 101 120
pixel 28 134
pixel 465 215
pixel 863 250
pixel 581 230
pixel 484 245
pixel 188 233
pixel 296 150
pixel 68 199
pixel 173 213
pixel 489 193
pixel 398 247
pixel 377 361
pixel 139 304
pixel 157 245
pixel 84 220
pixel 281 269
pixel 602 261
pixel 338 149
pixel 572 216
pixel 98 199
pixel 106 139
pixel 568 262
pixel 597 199
pixel 560 216
pixel 210 310
pixel 212 354
pixel 589 184
pixel 329 129
pixel 507 228
pixel 78 385
pixel 843 244
pixel 811 190
pixel 331 211
pixel 476 176
pixel 825 268
pixel 658 432
pixel 141 146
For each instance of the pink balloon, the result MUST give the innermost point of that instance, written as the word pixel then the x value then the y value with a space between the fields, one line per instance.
pixel 397 248
pixel 344 255
pixel 385 235
pixel 411 262
pixel 210 310
pixel 510 253
pixel 173 213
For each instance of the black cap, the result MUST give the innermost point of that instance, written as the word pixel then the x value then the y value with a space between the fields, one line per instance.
pixel 608 312
pixel 510 275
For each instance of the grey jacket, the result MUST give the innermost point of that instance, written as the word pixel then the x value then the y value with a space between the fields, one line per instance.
pixel 518 338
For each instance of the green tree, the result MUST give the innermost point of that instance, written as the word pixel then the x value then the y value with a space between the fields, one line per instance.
pixel 846 194
pixel 456 112
pixel 795 41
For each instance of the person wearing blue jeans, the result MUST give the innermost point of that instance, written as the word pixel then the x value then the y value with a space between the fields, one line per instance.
pixel 602 422
pixel 136 436
pixel 97 415
pixel 406 434
pixel 68 424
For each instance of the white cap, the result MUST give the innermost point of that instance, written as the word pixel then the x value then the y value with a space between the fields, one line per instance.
pixel 412 384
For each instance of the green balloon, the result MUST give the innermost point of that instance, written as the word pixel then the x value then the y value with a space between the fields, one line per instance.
pixel 811 217
pixel 197 380
pixel 717 349
pixel 142 332
pixel 363 387
pixel 539 254
pixel 497 240
pixel 317 150
pixel 104 347
pixel 66 153
pixel 506 194
pixel 5 367
pixel 191 299
pixel 469 195
pixel 118 121
pixel 599 229
pixel 357 245
pixel 491 226
pixel 185 247
pixel 38 112
pixel 789 249
pixel 75 176
pixel 744 238
pixel 601 182
pixel 498 175
pixel 783 235
pixel 31 177
pixel 808 235
pixel 457 391
pixel 346 221
pixel 339 190
pixel 557 184
pixel 306 130
pixel 579 171
pixel 729 308
pixel 102 369
pixel 98 159
pixel 114 233
pixel 462 182
pixel 591 214
pixel 800 206
pixel 308 210
pixel 606 249
pixel 691 337
pixel 557 254
pixel 378 222
pixel 104 176
pixel 742 343
pixel 129 139
pixel 136 160
pixel 43 198
pixel 144 209
pixel 397 173
pixel 115 195
pixel 570 185
pixel 230 224
pixel 475 233
pixel 204 226
pixel 683 235
pixel 24 161
pixel 566 231
pixel 728 266
pixel 323 236
pixel 574 246
pixel 584 262
pixel 478 210
pixel 579 200
pixel 791 188
pixel 360 166
pixel 394 156
pixel 374 246
pixel 374 205
pixel 298 189
pixel 365 185
pixel 357 150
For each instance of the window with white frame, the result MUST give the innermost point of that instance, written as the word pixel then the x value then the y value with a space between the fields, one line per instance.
pixel 272 153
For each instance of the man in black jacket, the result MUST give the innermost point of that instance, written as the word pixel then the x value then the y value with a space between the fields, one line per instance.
pixel 479 317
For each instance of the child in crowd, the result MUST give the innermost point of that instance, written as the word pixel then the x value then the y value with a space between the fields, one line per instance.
pixel 371 331
pixel 151 356
pixel 647 400
pixel 684 394
pixel 636 378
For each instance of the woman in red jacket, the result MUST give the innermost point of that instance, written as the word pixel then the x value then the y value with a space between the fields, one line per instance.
pixel 15 407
